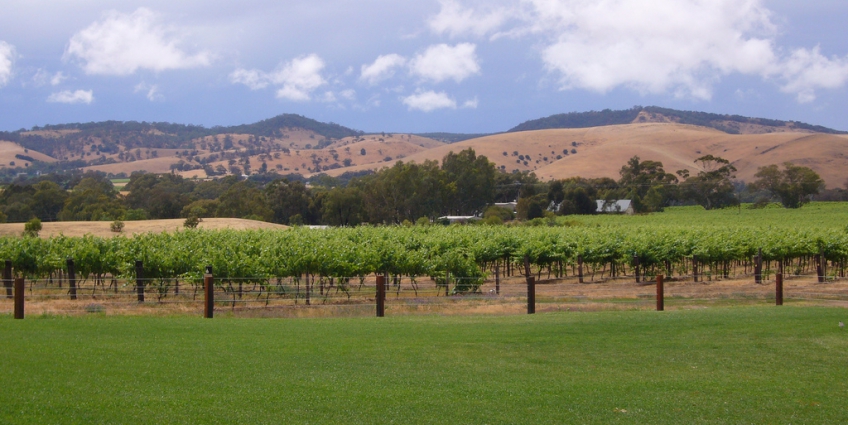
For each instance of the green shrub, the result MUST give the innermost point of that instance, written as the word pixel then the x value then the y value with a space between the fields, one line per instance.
pixel 32 227
pixel 117 226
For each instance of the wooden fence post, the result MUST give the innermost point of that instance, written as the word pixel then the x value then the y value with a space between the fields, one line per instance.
pixel 381 296
pixel 497 279
pixel 139 280
pixel 758 267
pixel 7 278
pixel 19 298
pixel 695 267
pixel 660 293
pixel 531 295
pixel 208 294
pixel 72 278
pixel 821 265
pixel 778 289
pixel 580 269
pixel 636 266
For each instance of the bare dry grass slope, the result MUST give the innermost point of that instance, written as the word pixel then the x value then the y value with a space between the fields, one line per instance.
pixel 102 228
pixel 601 151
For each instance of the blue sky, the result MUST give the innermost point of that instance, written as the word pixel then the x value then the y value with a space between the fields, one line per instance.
pixel 387 65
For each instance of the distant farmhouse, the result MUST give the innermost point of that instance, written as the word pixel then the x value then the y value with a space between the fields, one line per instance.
pixel 462 219
pixel 622 206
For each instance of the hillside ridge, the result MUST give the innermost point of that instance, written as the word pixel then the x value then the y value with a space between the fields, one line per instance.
pixel 731 124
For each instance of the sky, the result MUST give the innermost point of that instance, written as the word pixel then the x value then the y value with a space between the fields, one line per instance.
pixel 464 66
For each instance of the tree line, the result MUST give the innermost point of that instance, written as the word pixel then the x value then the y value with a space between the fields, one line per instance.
pixel 462 183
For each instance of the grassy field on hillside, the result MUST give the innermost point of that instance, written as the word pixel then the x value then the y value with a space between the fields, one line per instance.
pixel 824 215
pixel 721 365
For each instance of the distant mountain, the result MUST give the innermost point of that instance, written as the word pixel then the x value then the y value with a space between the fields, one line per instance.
pixel 272 127
pixel 112 136
pixel 731 124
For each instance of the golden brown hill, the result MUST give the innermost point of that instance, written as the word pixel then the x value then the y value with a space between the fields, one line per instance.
pixel 8 150
pixel 369 150
pixel 601 151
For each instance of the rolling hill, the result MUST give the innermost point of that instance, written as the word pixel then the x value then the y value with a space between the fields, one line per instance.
pixel 588 144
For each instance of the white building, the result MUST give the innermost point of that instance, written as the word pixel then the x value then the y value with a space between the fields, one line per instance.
pixel 622 206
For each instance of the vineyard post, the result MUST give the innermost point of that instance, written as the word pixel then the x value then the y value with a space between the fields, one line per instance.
pixel 580 269
pixel 695 267
pixel 139 280
pixel 660 293
pixel 72 278
pixel 7 278
pixel 497 279
pixel 636 266
pixel 531 295
pixel 381 296
pixel 758 267
pixel 778 289
pixel 19 298
pixel 822 264
pixel 208 293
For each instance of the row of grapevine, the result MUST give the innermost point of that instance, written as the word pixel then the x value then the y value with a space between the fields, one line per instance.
pixel 465 252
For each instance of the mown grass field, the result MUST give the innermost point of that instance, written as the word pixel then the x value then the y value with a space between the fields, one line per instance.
pixel 825 215
pixel 719 365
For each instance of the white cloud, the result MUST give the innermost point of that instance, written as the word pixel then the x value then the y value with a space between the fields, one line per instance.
pixel 121 44
pixel 67 96
pixel 328 97
pixel 348 94
pixel 807 70
pixel 428 101
pixel 663 46
pixel 456 20
pixel 252 78
pixel 679 47
pixel 43 78
pixel 471 104
pixel 298 78
pixel 7 60
pixel 151 91
pixel 442 62
pixel 382 68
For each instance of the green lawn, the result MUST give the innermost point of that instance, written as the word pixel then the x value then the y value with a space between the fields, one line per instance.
pixel 827 215
pixel 719 365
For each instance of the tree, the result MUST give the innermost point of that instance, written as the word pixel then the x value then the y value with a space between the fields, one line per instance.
pixel 92 199
pixel 162 196
pixel 16 202
pixel 48 200
pixel 794 185
pixel 638 178
pixel 243 199
pixel 474 177
pixel 286 199
pixel 711 188
pixel 32 227
pixel 342 206
pixel 530 207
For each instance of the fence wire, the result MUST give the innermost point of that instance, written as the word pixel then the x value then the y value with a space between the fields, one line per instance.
pixel 357 295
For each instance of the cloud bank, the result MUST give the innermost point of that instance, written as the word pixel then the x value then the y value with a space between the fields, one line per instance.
pixel 679 47
pixel 443 62
pixel 121 44
pixel 7 59
pixel 297 79
pixel 71 97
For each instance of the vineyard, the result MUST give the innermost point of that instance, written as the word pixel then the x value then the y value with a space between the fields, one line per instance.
pixel 337 266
